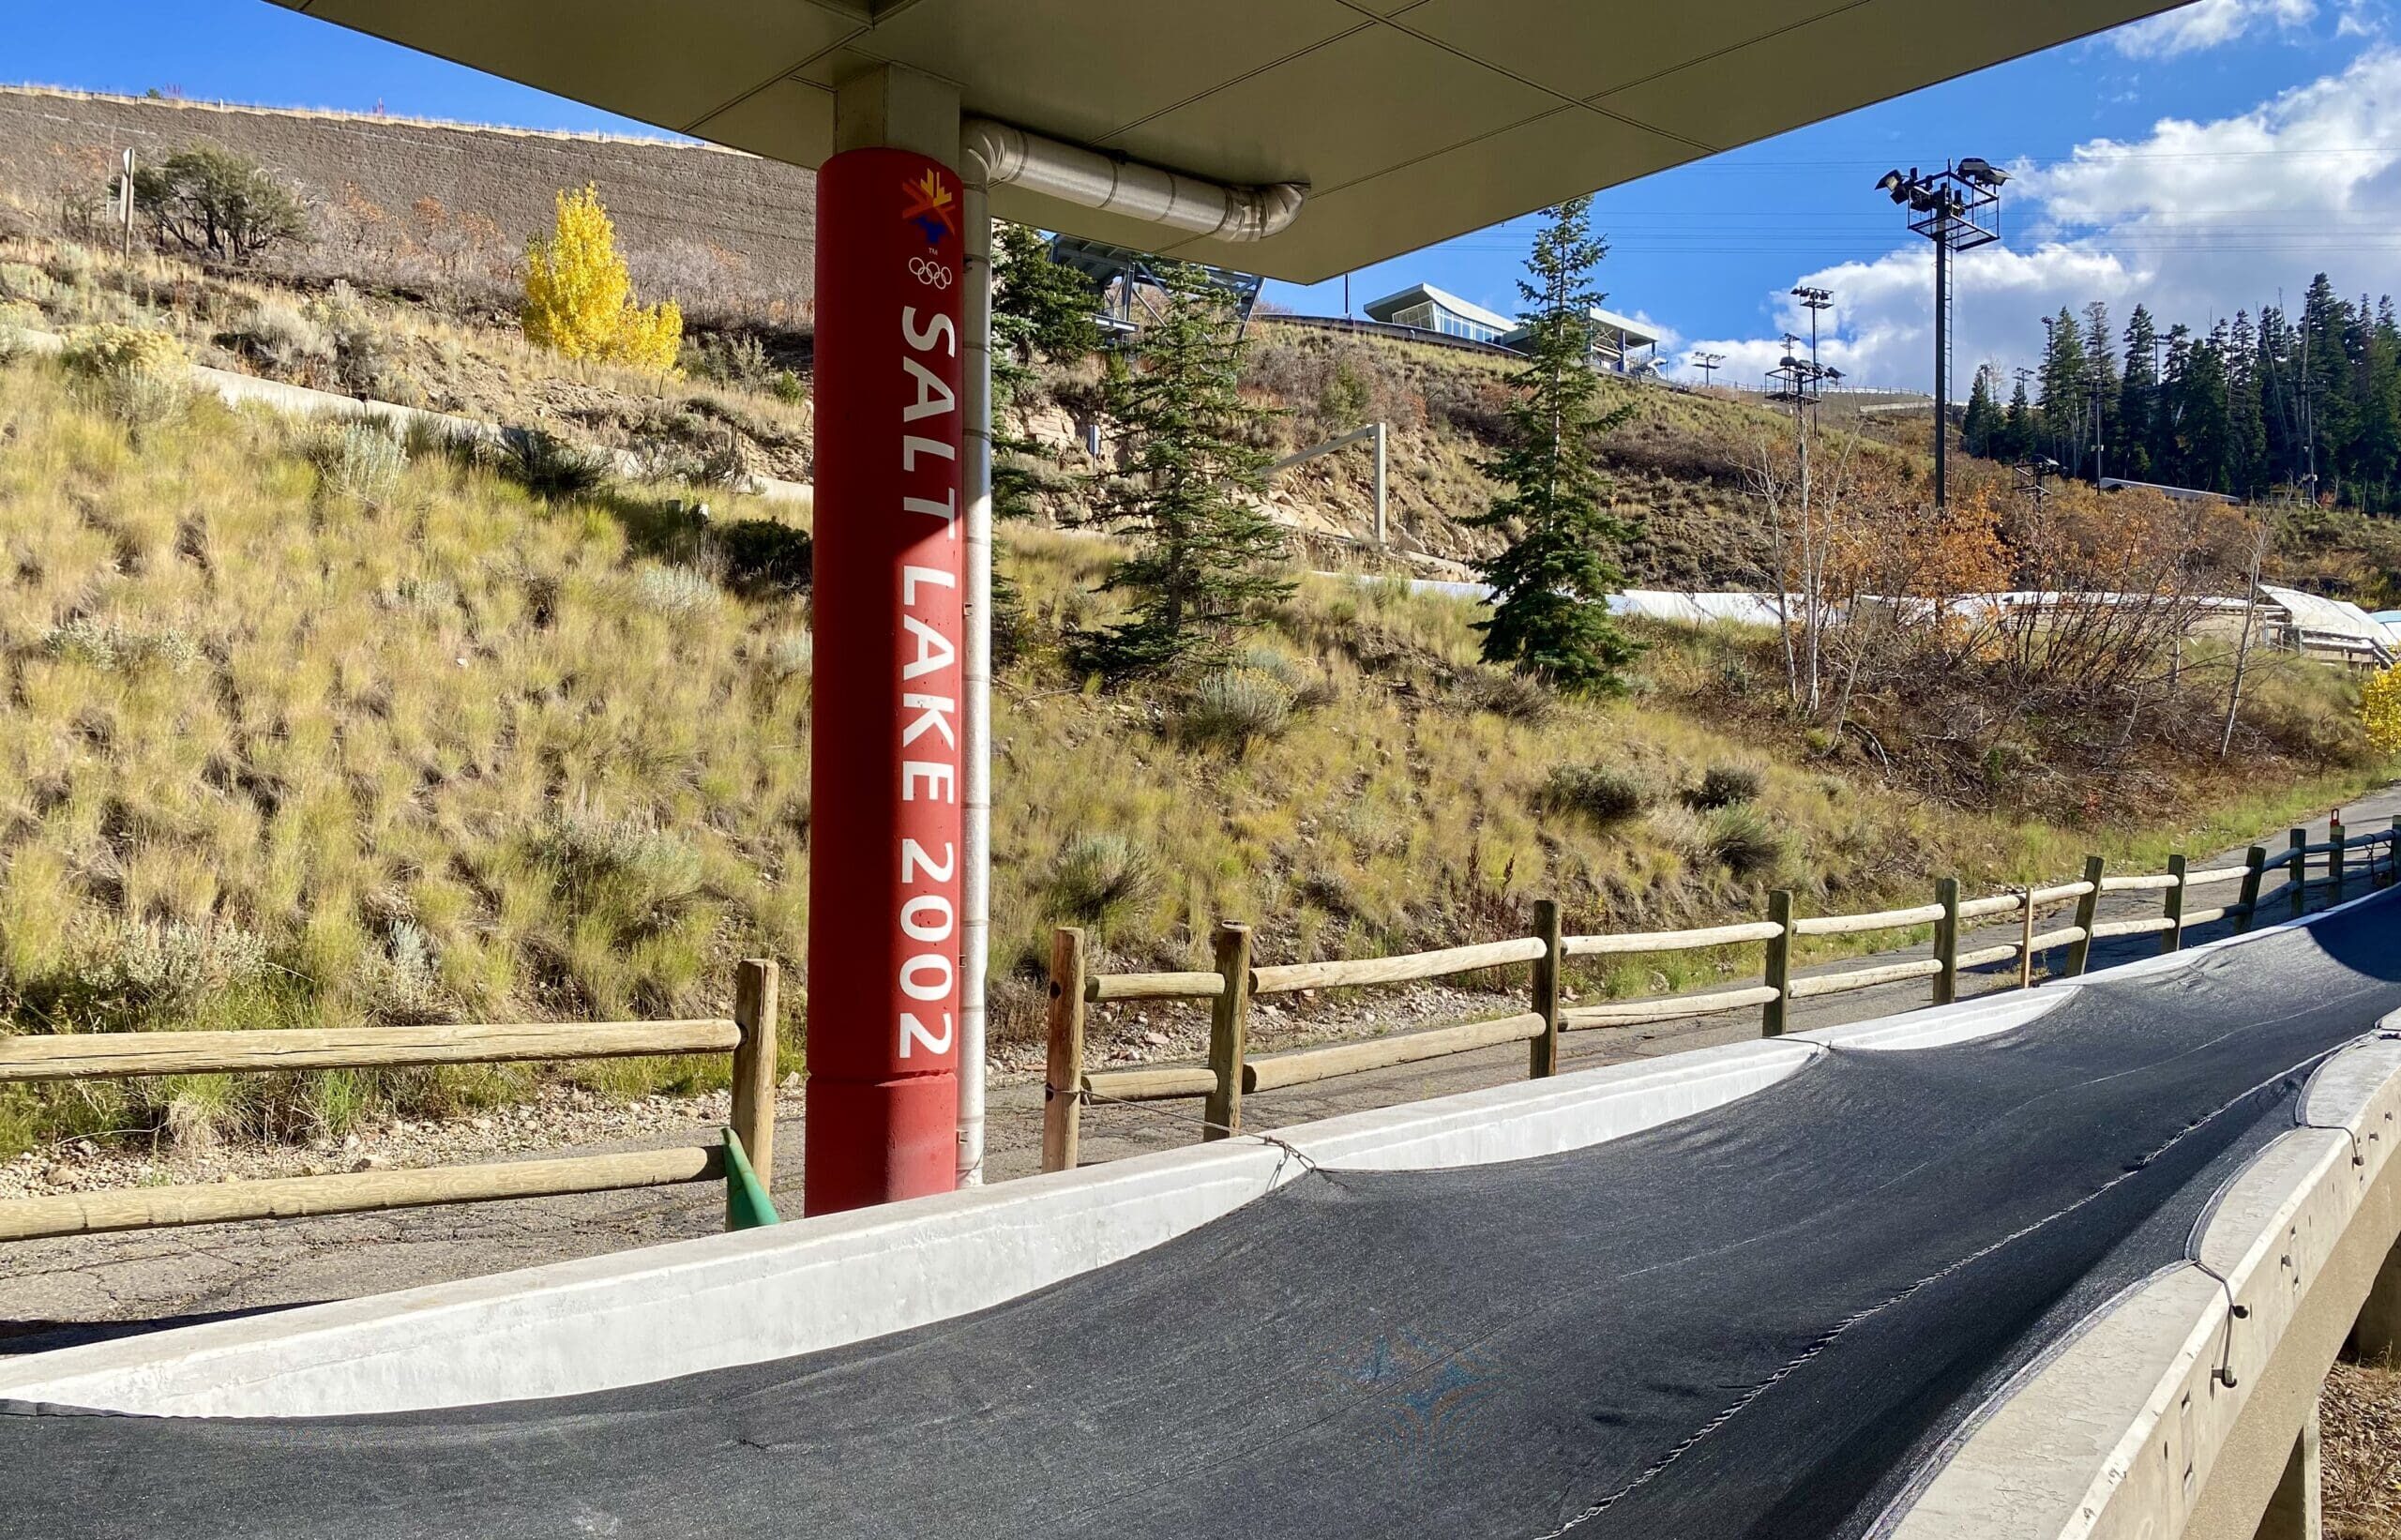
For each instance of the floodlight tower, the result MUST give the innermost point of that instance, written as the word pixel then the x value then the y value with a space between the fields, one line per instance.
pixel 1707 363
pixel 1958 209
pixel 1814 300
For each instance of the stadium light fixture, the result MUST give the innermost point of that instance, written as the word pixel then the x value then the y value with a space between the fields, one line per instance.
pixel 1958 209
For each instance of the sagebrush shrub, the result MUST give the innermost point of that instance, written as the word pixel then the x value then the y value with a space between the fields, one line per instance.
pixel 1726 786
pixel 141 377
pixel 1100 879
pixel 277 334
pixel 1595 792
pixel 674 590
pixel 19 280
pixel 764 559
pixel 1232 707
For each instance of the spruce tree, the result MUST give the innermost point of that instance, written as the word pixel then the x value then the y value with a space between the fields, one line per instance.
pixel 1188 488
pixel 2099 414
pixel 2247 425
pixel 2061 384
pixel 1982 425
pixel 1042 312
pixel 1551 585
pixel 2138 397
pixel 2017 427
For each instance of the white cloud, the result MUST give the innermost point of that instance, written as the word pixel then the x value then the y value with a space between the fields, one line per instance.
pixel 2195 219
pixel 2209 23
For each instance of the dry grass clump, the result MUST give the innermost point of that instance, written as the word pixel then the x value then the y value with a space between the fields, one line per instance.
pixel 1099 880
pixel 1599 793
pixel 361 460
pixel 2359 1446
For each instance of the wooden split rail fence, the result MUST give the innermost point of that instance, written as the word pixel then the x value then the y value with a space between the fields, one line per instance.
pixel 749 1037
pixel 1234 1072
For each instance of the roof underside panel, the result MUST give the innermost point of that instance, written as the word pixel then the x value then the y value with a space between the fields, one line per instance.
pixel 1412 120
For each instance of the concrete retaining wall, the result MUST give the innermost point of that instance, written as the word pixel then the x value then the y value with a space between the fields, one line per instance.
pixel 671 202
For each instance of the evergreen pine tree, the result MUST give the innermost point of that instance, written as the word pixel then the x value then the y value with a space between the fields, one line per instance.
pixel 2099 414
pixel 2247 426
pixel 2167 445
pixel 1982 424
pixel 2326 376
pixel 1187 488
pixel 1041 313
pixel 2375 445
pixel 2017 427
pixel 1551 584
pixel 2204 431
pixel 2137 397
pixel 2061 391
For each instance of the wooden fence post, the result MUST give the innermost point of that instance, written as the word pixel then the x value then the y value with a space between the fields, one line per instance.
pixel 2298 842
pixel 1779 965
pixel 2255 866
pixel 2172 909
pixel 2088 910
pixel 1544 1057
pixel 2026 937
pixel 1946 941
pixel 1229 1025
pixel 2334 859
pixel 1063 1074
pixel 754 1065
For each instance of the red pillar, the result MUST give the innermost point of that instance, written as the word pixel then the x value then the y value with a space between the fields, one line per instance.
pixel 886 769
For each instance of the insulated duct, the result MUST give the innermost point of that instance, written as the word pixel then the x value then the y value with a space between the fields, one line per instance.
pixel 999 155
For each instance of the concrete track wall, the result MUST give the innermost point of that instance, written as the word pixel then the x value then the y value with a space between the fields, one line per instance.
pixel 2175 1410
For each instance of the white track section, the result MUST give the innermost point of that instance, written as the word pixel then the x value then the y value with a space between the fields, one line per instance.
pixel 660 1312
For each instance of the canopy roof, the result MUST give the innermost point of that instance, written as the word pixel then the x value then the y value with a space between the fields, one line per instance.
pixel 1412 120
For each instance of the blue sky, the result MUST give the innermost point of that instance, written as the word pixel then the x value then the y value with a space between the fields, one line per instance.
pixel 2200 162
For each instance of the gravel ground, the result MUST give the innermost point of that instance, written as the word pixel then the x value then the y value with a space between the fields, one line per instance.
pixel 561 1118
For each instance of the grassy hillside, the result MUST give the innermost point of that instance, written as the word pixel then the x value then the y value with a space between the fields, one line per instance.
pixel 305 726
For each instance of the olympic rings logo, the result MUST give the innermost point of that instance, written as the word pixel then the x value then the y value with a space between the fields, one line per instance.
pixel 926 271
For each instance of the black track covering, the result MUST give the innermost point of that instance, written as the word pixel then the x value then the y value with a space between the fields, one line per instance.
pixel 1754 1321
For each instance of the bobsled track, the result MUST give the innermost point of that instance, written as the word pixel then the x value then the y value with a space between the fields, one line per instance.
pixel 1946 1273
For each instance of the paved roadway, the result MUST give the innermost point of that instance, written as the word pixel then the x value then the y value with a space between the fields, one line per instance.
pixel 52 1292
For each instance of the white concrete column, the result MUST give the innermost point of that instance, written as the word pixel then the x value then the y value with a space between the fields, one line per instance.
pixel 975 710
pixel 894 105
pixel 2293 1513
pixel 2377 1339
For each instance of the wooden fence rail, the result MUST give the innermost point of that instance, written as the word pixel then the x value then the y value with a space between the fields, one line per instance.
pixel 1231 1072
pixel 750 1036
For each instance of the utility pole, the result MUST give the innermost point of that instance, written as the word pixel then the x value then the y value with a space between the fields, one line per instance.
pixel 1958 209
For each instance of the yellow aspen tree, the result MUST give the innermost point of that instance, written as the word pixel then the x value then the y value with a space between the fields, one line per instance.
pixel 579 299
pixel 2380 710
